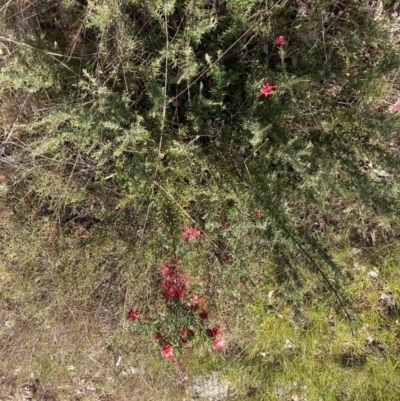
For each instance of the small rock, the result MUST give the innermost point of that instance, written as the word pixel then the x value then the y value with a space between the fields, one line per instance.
pixel 388 302
pixel 288 344
pixel 211 386
pixel 302 12
pixel 356 251
pixel 9 324
pixel 372 343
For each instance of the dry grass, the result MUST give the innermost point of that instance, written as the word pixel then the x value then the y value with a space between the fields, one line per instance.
pixel 65 296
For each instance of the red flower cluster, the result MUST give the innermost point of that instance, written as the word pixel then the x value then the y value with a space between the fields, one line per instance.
pixel 167 351
pixel 204 315
pixel 280 40
pixel 266 89
pixel 174 281
pixel 133 314
pixel 214 332
pixel 191 234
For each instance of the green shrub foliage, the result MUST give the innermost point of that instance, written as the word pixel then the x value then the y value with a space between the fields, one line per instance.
pixel 155 107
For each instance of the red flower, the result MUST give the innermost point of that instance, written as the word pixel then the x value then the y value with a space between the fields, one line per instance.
pixel 280 40
pixel 266 89
pixel 133 314
pixel 259 213
pixel 204 315
pixel 191 233
pixel 394 108
pixel 167 351
pixel 174 291
pixel 174 284
pixel 169 269
pixel 157 336
pixel 224 224
pixel 214 332
pixel 184 333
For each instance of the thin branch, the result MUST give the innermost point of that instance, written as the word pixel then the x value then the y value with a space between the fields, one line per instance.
pixel 32 47
pixel 304 251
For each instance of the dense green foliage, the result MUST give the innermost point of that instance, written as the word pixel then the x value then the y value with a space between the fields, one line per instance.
pixel 160 99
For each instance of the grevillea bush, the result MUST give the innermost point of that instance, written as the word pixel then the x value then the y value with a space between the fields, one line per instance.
pixel 184 318
pixel 244 142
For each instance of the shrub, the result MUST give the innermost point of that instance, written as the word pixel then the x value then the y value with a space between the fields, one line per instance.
pixel 192 113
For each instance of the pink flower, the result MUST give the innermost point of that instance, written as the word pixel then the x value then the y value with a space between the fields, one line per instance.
pixel 184 333
pixel 224 224
pixel 266 89
pixel 259 213
pixel 191 233
pixel 394 108
pixel 167 351
pixel 133 314
pixel 214 332
pixel 204 315
pixel 185 344
pixel 280 40
pixel 219 344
